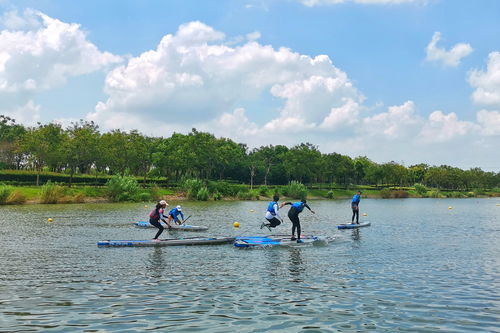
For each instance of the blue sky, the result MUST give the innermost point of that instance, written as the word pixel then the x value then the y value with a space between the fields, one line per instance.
pixel 405 80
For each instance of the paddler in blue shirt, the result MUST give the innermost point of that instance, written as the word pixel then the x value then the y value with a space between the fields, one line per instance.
pixel 272 214
pixel 293 215
pixel 174 215
pixel 355 207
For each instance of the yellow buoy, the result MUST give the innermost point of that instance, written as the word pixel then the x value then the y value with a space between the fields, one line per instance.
pixel 365 214
pixel 251 210
pixel 50 219
pixel 145 206
pixel 236 224
pixel 498 204
pixel 450 207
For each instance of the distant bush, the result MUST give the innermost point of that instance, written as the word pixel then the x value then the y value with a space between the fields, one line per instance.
pixel 123 188
pixel 400 194
pixel 470 194
pixel 420 189
pixel 226 189
pixel 51 193
pixel 202 194
pixel 192 186
pixel 216 195
pixel 5 192
pixel 435 194
pixel 385 193
pixel 329 195
pixel 16 198
pixel 263 190
pixel 456 195
pixel 295 190
pixel 479 191
pixel 248 195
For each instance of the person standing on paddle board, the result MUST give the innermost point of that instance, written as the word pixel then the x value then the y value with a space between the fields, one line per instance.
pixel 293 215
pixel 174 215
pixel 156 215
pixel 355 207
pixel 272 214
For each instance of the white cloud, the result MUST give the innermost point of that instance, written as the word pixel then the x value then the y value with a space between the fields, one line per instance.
pixel 448 58
pixel 489 121
pixel 342 116
pixel 487 83
pixel 27 114
pixel 194 74
pixel 441 127
pixel 399 122
pixel 46 54
pixel 312 3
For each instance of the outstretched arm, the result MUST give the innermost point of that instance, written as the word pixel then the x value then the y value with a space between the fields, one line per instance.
pixel 307 206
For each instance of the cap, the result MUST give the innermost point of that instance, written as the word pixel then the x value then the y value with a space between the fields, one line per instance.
pixel 163 203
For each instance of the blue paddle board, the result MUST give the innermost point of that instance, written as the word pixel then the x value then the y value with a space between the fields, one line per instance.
pixel 267 241
pixel 167 242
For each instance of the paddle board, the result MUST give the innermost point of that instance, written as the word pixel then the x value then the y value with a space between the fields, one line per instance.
pixel 266 241
pixel 167 242
pixel 353 225
pixel 184 227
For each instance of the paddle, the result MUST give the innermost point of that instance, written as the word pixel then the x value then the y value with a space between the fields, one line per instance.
pixel 187 218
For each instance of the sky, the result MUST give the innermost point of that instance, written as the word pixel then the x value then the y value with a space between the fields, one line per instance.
pixel 409 81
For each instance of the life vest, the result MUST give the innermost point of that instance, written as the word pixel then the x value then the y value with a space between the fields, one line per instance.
pixel 270 207
pixel 299 207
pixel 155 214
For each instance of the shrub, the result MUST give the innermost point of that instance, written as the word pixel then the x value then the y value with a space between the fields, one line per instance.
pixel 217 195
pixel 202 194
pixel 144 196
pixel 435 194
pixel 263 190
pixel 80 197
pixel 470 194
pixel 329 195
pixel 192 186
pixel 420 189
pixel 226 189
pixel 400 194
pixel 248 195
pixel 5 192
pixel 122 188
pixel 16 198
pixel 479 191
pixel 385 193
pixel 295 190
pixel 51 193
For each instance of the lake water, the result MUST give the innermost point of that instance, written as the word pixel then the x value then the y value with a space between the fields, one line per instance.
pixel 420 267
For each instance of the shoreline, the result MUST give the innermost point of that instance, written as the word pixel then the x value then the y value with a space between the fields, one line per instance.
pixel 178 197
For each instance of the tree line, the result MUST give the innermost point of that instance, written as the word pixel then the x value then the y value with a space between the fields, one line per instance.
pixel 81 148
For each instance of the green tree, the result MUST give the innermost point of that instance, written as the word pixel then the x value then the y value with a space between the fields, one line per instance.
pixel 43 146
pixel 81 146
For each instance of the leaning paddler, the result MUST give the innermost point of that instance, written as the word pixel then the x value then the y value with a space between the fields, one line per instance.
pixel 174 215
pixel 272 214
pixel 293 215
pixel 156 215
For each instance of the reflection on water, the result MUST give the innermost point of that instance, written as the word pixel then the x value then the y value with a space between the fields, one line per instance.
pixel 417 276
pixel 156 263
pixel 356 235
pixel 295 266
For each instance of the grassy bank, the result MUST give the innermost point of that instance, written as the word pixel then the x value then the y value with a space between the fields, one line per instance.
pixel 56 193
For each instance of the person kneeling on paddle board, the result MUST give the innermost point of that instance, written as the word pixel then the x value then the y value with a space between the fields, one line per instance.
pixel 174 213
pixel 156 215
pixel 293 215
pixel 272 214
pixel 355 207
